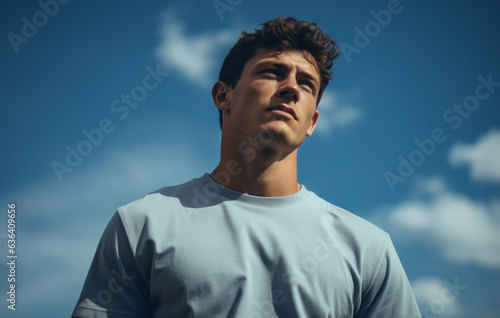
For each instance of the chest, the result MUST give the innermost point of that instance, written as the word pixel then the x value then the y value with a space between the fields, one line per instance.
pixel 277 268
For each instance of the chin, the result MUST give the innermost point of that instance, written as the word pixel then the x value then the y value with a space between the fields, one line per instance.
pixel 276 138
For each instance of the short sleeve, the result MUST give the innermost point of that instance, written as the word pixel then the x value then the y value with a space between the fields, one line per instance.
pixel 114 286
pixel 388 293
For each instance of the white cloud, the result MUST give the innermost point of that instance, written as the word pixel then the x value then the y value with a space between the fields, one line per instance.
pixel 434 185
pixel 335 113
pixel 466 231
pixel 194 56
pixel 483 157
pixel 435 298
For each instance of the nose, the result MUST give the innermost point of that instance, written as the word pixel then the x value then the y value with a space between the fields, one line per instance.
pixel 289 89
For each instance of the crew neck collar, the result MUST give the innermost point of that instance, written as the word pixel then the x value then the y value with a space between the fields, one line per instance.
pixel 216 188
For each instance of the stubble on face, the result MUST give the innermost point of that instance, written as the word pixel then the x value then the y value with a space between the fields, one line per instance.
pixel 260 88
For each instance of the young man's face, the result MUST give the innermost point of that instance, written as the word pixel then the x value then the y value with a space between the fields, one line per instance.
pixel 276 95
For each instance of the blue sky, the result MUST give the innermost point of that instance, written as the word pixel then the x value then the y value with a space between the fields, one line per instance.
pixel 408 134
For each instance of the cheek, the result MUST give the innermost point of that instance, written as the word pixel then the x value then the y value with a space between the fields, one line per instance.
pixel 308 117
pixel 253 95
pixel 259 89
pixel 309 109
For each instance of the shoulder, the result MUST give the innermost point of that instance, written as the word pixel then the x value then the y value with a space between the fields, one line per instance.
pixel 367 245
pixel 158 207
pixel 348 220
pixel 352 228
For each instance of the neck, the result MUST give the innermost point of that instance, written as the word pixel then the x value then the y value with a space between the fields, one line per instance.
pixel 248 167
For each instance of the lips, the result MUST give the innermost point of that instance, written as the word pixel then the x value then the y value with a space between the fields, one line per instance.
pixel 282 108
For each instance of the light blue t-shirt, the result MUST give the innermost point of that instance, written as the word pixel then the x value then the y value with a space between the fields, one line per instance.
pixel 202 250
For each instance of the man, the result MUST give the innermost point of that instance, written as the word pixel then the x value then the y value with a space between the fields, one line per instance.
pixel 247 240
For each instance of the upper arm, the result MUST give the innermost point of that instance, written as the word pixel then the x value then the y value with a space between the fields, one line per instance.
pixel 114 286
pixel 387 292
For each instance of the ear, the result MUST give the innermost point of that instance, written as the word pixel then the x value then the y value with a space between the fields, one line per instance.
pixel 220 96
pixel 314 121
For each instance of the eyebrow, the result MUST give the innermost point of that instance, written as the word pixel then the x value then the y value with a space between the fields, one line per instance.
pixel 282 66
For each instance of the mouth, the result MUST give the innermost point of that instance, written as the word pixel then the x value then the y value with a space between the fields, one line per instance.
pixel 283 110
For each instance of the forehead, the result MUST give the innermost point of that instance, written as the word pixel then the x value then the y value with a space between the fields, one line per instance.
pixel 303 59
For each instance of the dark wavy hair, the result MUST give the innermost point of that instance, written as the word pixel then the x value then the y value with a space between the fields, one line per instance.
pixel 282 33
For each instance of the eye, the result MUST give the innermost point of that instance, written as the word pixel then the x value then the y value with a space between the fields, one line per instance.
pixel 309 84
pixel 271 71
